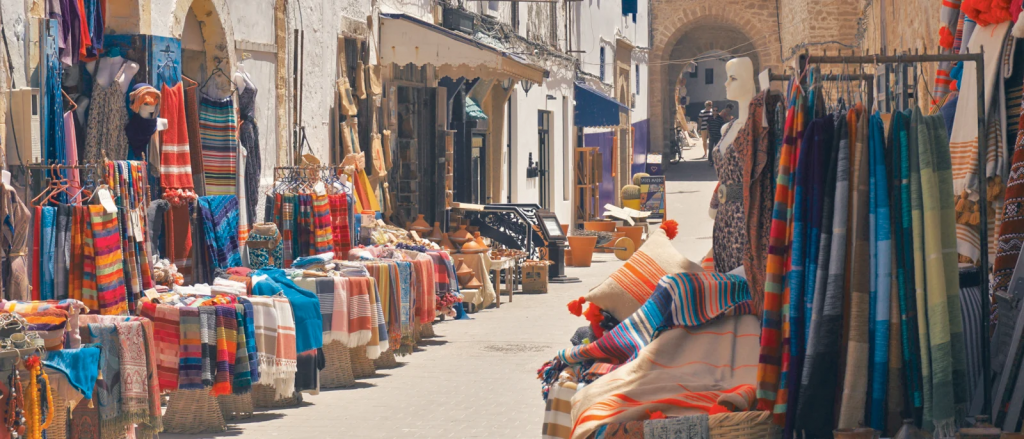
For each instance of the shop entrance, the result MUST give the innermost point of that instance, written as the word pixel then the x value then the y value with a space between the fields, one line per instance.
pixel 204 49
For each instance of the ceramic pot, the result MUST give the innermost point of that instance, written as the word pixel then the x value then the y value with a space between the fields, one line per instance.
pixel 599 226
pixel 435 235
pixel 634 233
pixel 420 226
pixel 568 258
pixel 472 247
pixel 461 236
pixel 447 243
pixel 479 239
pixel 565 229
pixel 582 248
pixel 473 284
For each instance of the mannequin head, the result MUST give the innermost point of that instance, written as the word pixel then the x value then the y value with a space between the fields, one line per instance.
pixel 739 86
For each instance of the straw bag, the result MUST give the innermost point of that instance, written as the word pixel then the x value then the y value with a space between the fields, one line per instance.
pixel 338 372
pixel 235 406
pixel 360 80
pixel 743 425
pixel 193 412
pixel 386 360
pixel 362 366
pixel 373 79
pixel 265 396
pixel 348 102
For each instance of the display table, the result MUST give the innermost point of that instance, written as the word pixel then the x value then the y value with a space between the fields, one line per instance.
pixel 507 265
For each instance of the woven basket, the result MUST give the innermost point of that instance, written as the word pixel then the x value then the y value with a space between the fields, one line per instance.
pixel 193 412
pixel 386 360
pixel 743 425
pixel 362 366
pixel 338 372
pixel 59 426
pixel 235 406
pixel 427 330
pixel 265 396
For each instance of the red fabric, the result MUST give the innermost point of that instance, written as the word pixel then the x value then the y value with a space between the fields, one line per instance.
pixel 175 162
pixel 987 12
pixel 1015 9
pixel 36 232
pixel 340 226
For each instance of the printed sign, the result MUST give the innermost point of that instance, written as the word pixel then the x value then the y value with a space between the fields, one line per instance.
pixel 652 195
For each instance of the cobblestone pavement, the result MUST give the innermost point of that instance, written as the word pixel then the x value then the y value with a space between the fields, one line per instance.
pixel 477 378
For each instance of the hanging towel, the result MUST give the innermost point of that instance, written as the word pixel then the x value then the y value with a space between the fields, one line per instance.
pixel 287 356
pixel 217 127
pixel 340 320
pixel 241 376
pixel 250 339
pixel 90 289
pixel 175 156
pixel 109 269
pixel 108 388
pixel 361 313
pixel 134 374
pixel 227 349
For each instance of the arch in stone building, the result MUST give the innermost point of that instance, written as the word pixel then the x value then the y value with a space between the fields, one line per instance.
pixel 208 41
pixel 681 33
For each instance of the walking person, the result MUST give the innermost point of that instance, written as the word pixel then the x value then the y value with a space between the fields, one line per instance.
pixel 715 124
pixel 705 115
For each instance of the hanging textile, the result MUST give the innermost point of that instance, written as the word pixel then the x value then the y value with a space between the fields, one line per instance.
pixel 323 234
pixel 217 132
pixel 108 116
pixel 249 138
pixel 62 252
pixel 175 156
pixel 220 228
pixel 55 148
pixel 340 225
pixel 46 244
pixel 129 182
pixel 881 273
pixel 109 267
pixel 195 143
pixel 14 234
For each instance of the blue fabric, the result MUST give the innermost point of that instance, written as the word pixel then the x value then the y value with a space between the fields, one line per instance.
pixel 80 366
pixel 250 339
pixel 949 112
pixel 595 109
pixel 47 248
pixel 305 307
pixel 881 278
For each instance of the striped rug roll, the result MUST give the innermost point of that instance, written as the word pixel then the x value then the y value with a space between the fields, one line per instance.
pixel 217 129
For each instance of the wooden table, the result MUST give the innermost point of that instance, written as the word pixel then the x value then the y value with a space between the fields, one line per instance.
pixel 498 266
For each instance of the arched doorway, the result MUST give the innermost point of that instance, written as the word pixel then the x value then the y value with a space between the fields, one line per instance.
pixel 206 41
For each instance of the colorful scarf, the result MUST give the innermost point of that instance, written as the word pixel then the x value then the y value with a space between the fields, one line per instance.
pixel 90 289
pixel 47 247
pixel 227 348
pixel 62 249
pixel 339 225
pixel 79 222
pixel 241 376
pixel 167 335
pixel 938 281
pixel 680 300
pixel 208 338
pixel 774 358
pixel 175 157
pixel 190 364
pixel 110 277
pixel 108 387
pixel 250 339
pixel 133 370
pixel 322 231
pixel 818 380
pixel 220 226
pixel 37 266
pixel 70 335
pixel 284 216
pixel 286 362
pixel 855 375
pixel 217 129
pixel 881 277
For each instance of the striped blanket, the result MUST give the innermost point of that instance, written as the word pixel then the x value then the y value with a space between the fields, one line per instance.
pixel 175 161
pixel 167 322
pixel 323 233
pixel 217 131
pixel 680 300
pixel 227 349
pixel 109 274
pixel 686 371
pixel 190 363
pixel 220 224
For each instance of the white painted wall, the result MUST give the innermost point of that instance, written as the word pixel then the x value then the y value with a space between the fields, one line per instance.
pixel 598 23
pixel 525 140
pixel 698 90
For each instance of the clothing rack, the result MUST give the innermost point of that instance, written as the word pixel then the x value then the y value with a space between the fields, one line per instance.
pixel 983 264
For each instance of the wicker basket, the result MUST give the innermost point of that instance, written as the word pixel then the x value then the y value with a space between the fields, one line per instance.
pixel 235 406
pixel 427 330
pixel 338 372
pixel 265 396
pixel 362 366
pixel 193 412
pixel 743 425
pixel 386 360
pixel 59 426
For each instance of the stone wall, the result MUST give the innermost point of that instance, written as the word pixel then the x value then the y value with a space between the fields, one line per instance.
pixel 817 25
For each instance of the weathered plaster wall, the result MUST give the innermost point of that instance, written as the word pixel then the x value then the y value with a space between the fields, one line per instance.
pixel 818 25
pixel 525 141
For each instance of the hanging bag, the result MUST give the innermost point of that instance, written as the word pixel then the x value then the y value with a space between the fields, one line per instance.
pixel 348 103
pixel 373 78
pixel 360 80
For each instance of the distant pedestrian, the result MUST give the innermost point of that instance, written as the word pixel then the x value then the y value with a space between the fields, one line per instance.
pixel 715 133
pixel 705 115
pixel 727 113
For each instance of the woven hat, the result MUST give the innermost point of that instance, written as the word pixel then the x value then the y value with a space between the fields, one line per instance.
pixel 630 286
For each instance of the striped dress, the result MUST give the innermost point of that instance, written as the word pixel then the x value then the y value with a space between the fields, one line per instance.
pixel 217 130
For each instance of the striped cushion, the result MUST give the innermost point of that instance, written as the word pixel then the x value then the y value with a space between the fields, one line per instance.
pixel 630 286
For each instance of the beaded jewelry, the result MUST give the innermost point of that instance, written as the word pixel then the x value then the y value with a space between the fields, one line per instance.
pixel 14 418
pixel 34 399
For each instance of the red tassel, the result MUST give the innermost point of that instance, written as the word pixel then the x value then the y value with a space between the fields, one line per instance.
pixel 945 37
pixel 671 228
pixel 657 414
pixel 595 318
pixel 576 306
pixel 717 409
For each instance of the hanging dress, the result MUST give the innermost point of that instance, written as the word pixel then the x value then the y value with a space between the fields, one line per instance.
pixel 729 238
pixel 107 119
pixel 249 137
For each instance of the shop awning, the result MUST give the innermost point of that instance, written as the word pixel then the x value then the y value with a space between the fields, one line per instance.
pixel 596 109
pixel 408 40
pixel 473 111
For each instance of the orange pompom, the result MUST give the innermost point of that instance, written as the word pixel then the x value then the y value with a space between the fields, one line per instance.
pixel 945 37
pixel 595 318
pixel 717 409
pixel 671 228
pixel 576 306
pixel 657 414
pixel 32 362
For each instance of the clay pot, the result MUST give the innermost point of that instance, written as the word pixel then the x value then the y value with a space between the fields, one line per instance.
pixel 420 226
pixel 473 247
pixel 565 229
pixel 634 233
pixel 568 258
pixel 435 235
pixel 582 248
pixel 461 236
pixel 479 239
pixel 447 243
pixel 599 226
pixel 473 284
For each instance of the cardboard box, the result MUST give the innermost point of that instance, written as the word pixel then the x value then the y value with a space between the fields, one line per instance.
pixel 535 278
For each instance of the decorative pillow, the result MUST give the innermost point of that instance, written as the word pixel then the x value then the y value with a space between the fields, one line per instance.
pixel 630 286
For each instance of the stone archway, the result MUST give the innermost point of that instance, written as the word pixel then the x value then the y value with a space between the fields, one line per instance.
pixel 736 27
pixel 214 27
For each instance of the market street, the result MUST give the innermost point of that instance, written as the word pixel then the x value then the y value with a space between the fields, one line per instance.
pixel 477 378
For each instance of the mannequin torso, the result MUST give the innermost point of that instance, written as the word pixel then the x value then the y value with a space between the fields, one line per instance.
pixel 107 70
pixel 739 87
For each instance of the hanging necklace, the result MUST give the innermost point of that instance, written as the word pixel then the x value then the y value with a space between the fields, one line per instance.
pixel 14 418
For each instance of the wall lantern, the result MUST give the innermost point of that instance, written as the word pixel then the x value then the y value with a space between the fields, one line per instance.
pixel 507 83
pixel 527 85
